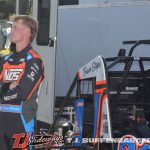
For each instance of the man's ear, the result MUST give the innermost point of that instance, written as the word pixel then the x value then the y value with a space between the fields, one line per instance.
pixel 28 31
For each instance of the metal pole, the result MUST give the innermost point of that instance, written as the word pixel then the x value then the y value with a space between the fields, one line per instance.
pixel 127 69
pixel 17 6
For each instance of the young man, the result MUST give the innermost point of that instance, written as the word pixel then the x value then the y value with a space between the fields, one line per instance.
pixel 21 74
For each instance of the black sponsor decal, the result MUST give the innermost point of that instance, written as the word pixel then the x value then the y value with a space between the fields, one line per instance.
pixel 94 66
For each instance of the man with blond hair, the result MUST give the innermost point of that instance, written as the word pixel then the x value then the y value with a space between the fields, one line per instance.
pixel 21 74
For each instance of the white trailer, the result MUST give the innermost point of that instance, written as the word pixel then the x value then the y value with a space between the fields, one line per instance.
pixel 46 12
pixel 97 27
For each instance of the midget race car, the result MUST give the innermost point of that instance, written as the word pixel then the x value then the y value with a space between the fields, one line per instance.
pixel 108 99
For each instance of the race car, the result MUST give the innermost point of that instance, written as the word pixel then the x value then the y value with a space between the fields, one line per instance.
pixel 108 102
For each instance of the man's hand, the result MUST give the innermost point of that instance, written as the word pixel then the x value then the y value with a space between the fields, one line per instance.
pixel 7 86
pixel 12 85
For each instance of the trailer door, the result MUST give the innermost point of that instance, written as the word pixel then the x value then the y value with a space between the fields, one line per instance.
pixel 45 44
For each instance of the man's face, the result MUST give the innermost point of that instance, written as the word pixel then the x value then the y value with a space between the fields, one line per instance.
pixel 18 32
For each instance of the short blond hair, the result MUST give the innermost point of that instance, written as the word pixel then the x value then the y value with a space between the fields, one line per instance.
pixel 28 21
